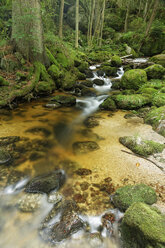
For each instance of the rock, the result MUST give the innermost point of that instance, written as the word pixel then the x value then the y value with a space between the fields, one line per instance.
pixel 143 227
pixel 81 76
pixel 65 222
pixel 51 105
pixel 99 82
pixel 140 146
pixel 108 104
pixel 54 71
pixel 4 141
pixel 156 118
pixel 116 61
pixel 134 79
pixel 159 100
pixel 83 67
pixel 88 92
pixel 84 147
pixel 30 202
pixel 39 130
pixel 83 172
pixel 91 122
pixel 155 71
pixel 109 71
pixel 125 196
pixel 63 100
pixel 159 59
pixel 131 101
pixel 4 156
pixel 54 198
pixel 89 73
pixel 87 83
pixel 46 183
pixel 45 88
pixel 100 73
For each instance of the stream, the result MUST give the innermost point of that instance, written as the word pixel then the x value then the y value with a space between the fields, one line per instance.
pixel 91 178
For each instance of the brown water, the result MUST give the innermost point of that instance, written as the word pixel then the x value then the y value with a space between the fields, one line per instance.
pixel 110 167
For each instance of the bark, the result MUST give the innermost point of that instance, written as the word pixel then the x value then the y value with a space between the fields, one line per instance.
pixel 126 18
pixel 97 21
pixel 156 3
pixel 77 24
pixel 102 23
pixel 145 9
pixel 27 31
pixel 61 19
pixel 91 20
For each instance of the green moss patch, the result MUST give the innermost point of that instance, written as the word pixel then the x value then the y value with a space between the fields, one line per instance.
pixel 134 79
pixel 155 71
pixel 108 104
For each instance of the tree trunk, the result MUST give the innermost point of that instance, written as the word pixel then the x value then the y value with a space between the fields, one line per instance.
pixel 61 19
pixel 27 31
pixel 145 9
pixel 77 24
pixel 91 20
pixel 97 21
pixel 126 18
pixel 102 23
pixel 152 17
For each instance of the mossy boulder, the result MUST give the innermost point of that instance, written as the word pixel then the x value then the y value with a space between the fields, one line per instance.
pixel 140 146
pixel 83 67
pixel 143 227
pixel 159 59
pixel 125 196
pixel 131 101
pixel 159 100
pixel 54 71
pixel 44 88
pixel 98 81
pixel 155 71
pixel 109 70
pixel 64 61
pixel 156 118
pixel 64 100
pixel 116 61
pixel 147 91
pixel 108 104
pixel 68 83
pixel 134 79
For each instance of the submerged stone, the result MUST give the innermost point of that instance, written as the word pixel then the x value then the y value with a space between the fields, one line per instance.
pixel 125 196
pixel 91 122
pixel 141 146
pixel 143 227
pixel 4 156
pixel 30 202
pixel 46 183
pixel 39 130
pixel 84 147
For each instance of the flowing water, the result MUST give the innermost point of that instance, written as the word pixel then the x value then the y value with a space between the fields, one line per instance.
pixel 109 168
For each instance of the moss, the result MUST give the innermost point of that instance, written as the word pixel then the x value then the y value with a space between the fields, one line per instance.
pixel 21 76
pixel 116 61
pixel 147 91
pixel 64 61
pixel 83 67
pixel 54 71
pixel 3 82
pixel 156 118
pixel 43 88
pixel 155 71
pixel 143 227
pixel 64 100
pixel 109 71
pixel 162 90
pixel 131 101
pixel 108 104
pixel 140 146
pixel 51 57
pixel 125 196
pixel 134 79
pixel 159 59
pixel 159 100
pixel 68 83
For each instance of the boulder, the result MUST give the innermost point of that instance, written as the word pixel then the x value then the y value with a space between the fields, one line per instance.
pixel 159 100
pixel 125 196
pixel 44 88
pixel 63 100
pixel 91 122
pixel 159 59
pixel 108 104
pixel 131 101
pixel 4 156
pixel 156 118
pixel 143 227
pixel 98 81
pixel 140 146
pixel 46 183
pixel 134 79
pixel 116 61
pixel 155 71
pixel 85 147
pixel 54 72
pixel 109 70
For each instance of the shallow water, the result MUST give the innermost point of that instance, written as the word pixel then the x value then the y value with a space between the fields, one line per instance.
pixel 63 127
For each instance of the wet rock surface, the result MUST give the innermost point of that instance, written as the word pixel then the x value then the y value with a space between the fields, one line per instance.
pixel 46 183
pixel 61 223
pixel 98 82
pixel 4 156
pixel 63 100
pixel 91 122
pixel 84 147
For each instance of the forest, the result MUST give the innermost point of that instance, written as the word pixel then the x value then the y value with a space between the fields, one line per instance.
pixel 82 123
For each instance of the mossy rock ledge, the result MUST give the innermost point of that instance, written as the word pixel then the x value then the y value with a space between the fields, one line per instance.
pixel 159 59
pixel 143 227
pixel 63 100
pixel 155 71
pixel 140 146
pixel 134 79
pixel 125 196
